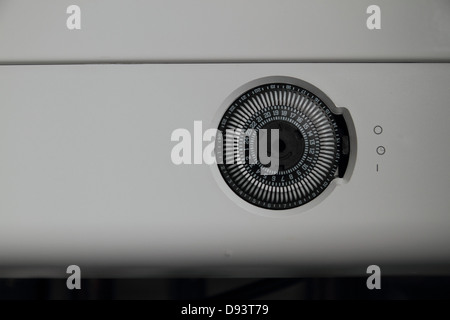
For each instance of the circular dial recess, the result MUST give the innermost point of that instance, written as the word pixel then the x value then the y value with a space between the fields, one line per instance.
pixel 307 141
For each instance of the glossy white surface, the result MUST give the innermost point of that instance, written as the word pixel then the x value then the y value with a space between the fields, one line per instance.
pixel 224 30
pixel 86 176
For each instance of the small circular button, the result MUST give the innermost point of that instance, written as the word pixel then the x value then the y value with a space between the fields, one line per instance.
pixel 381 150
pixel 378 130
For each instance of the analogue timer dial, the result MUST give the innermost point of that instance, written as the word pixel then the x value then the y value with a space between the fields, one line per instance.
pixel 311 145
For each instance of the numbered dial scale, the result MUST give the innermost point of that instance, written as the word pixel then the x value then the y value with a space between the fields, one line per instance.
pixel 311 144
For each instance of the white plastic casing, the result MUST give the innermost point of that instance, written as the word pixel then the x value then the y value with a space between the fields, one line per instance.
pixel 86 175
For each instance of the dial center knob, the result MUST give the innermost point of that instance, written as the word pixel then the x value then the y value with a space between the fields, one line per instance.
pixel 291 144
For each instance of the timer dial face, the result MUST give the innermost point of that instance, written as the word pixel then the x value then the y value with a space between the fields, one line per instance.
pixel 308 149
